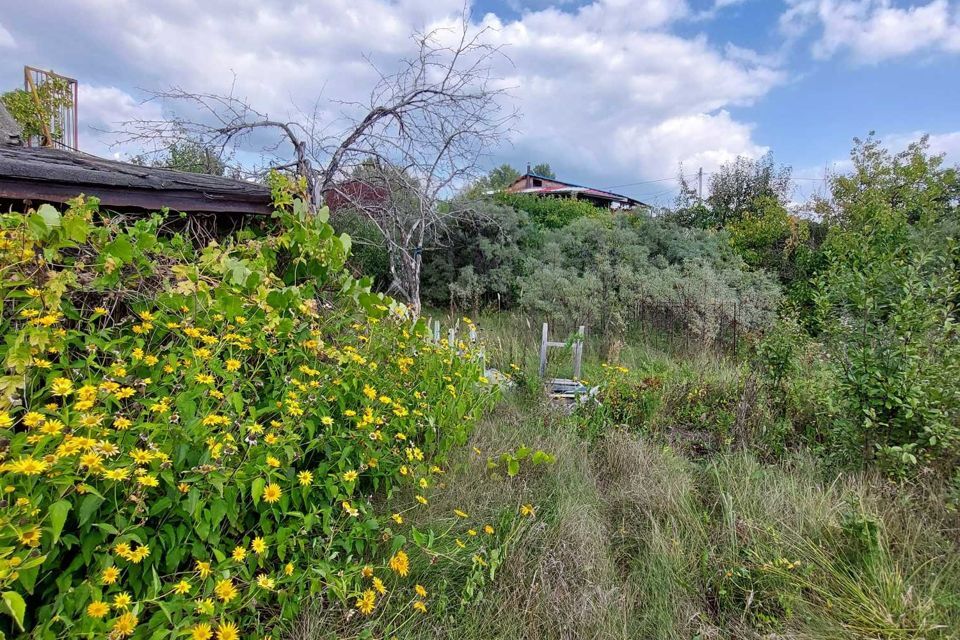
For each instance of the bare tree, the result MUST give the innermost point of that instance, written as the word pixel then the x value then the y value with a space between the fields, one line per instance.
pixel 423 131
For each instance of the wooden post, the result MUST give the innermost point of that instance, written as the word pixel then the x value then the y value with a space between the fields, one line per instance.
pixel 452 337
pixel 578 353
pixel 543 351
pixel 436 332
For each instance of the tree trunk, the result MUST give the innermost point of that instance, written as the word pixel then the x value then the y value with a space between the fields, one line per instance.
pixel 405 270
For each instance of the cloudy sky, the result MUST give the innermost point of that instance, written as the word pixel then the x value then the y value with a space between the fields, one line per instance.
pixel 612 92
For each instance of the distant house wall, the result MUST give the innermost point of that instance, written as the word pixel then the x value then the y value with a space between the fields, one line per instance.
pixel 534 182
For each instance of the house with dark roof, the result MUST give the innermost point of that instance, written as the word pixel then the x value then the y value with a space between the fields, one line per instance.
pixel 35 175
pixel 553 188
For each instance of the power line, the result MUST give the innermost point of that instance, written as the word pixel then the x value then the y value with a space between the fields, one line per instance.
pixel 633 184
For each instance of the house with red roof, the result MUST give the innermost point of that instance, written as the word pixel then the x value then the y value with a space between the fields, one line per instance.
pixel 553 188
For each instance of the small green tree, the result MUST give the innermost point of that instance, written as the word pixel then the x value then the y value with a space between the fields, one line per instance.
pixel 543 169
pixel 40 115
pixel 888 302
pixel 186 155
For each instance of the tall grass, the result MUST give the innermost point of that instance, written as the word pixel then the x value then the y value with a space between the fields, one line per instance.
pixel 634 539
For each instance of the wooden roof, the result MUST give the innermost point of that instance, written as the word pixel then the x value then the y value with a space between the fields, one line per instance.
pixel 54 175
pixel 555 187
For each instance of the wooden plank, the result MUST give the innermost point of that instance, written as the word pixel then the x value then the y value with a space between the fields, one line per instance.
pixel 55 175
pixel 175 200
pixel 578 353
pixel 543 350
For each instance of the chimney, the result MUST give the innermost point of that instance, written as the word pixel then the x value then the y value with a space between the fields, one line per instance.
pixel 529 179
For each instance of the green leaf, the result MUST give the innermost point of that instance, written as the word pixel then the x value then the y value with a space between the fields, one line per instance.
pixel 58 516
pixel 15 606
pixel 256 489
pixel 120 248
pixel 513 467
pixel 51 217
pixel 87 508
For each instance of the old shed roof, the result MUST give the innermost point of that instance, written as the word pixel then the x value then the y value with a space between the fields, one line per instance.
pixel 53 175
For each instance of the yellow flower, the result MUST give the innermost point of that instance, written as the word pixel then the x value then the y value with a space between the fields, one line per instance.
pixel 422 500
pixel 288 569
pixel 419 607
pixel 460 514
pixel 61 387
pixel 239 553
pixel 30 538
pixel 397 518
pixel 31 418
pixel 471 532
pixel 124 626
pixel 349 476
pixel 420 590
pixel 271 493
pixel 225 590
pixel 350 509
pixel 204 569
pixel 109 575
pixel 121 600
pixel 148 481
pixel 487 529
pixel 259 546
pixel 265 582
pixel 98 609
pixel 206 607
pixel 378 586
pixel 305 478
pixel 137 556
pixel 201 632
pixel 6 421
pixel 232 364
pixel 400 563
pixel 526 510
pixel 366 602
pixel 182 587
pixel 367 571
pixel 227 631
pixel 27 466
pixel 273 462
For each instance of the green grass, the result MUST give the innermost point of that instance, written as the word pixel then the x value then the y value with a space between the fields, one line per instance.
pixel 635 538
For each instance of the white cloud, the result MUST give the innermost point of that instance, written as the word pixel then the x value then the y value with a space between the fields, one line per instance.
pixel 102 108
pixel 696 141
pixel 6 38
pixel 940 143
pixel 874 30
pixel 608 92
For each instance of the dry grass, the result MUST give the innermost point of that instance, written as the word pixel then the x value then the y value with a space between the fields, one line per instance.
pixel 632 540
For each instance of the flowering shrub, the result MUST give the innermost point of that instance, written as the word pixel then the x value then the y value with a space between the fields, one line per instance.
pixel 191 439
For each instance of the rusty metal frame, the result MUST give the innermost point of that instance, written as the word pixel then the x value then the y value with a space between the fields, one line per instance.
pixel 32 76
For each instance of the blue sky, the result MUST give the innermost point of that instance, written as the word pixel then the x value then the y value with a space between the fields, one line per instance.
pixel 610 91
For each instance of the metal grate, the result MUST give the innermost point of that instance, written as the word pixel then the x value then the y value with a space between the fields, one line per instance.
pixel 56 98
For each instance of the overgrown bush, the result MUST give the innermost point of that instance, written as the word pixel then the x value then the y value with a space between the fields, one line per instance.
pixel 483 254
pixel 887 303
pixel 602 271
pixel 550 213
pixel 191 440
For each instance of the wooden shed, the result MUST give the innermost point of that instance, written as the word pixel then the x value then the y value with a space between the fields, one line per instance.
pixel 38 175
